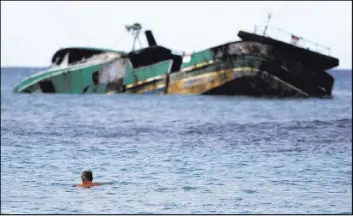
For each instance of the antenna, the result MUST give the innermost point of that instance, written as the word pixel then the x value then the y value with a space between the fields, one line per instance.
pixel 135 30
pixel 268 21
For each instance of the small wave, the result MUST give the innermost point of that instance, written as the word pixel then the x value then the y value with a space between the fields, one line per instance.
pixel 249 191
pixel 288 150
pixel 349 213
pixel 312 124
pixel 189 188
pixel 11 213
pixel 162 189
pixel 211 127
pixel 126 183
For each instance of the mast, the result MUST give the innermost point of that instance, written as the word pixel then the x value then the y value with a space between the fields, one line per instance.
pixel 268 21
pixel 135 30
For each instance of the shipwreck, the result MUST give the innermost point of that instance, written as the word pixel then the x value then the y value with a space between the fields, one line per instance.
pixel 256 65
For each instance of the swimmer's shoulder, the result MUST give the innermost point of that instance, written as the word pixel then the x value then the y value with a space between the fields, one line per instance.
pixel 92 184
pixel 87 185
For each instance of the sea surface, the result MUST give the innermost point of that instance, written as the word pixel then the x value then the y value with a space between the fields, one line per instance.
pixel 175 154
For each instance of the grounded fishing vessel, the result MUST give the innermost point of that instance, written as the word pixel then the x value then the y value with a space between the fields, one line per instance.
pixel 257 65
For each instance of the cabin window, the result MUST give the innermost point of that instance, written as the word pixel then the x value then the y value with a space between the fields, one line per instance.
pixel 74 55
pixel 47 86
pixel 80 55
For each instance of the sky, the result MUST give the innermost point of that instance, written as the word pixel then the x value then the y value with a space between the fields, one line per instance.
pixel 31 32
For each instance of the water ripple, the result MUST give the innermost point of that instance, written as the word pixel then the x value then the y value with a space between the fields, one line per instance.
pixel 175 154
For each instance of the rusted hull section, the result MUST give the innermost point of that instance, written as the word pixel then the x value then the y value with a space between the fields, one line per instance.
pixel 236 81
pixel 200 84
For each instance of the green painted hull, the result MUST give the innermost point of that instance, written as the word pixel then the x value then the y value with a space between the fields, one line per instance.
pixel 68 80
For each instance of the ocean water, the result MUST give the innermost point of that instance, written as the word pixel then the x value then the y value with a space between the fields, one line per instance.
pixel 175 154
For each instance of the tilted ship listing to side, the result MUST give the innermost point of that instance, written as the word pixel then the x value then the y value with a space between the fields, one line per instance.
pixel 256 65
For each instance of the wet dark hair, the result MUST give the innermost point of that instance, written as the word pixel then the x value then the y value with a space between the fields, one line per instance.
pixel 87 175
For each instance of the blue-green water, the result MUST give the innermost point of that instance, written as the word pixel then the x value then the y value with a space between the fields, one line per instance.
pixel 175 154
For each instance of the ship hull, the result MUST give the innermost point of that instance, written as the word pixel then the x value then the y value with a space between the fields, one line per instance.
pixel 255 66
pixel 240 80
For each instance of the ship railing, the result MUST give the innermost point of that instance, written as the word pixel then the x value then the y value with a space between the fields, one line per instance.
pixel 288 37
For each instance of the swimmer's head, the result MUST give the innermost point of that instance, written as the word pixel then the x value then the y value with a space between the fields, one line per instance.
pixel 87 175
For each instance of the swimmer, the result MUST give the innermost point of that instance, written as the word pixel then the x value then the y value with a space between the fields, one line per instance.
pixel 87 178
